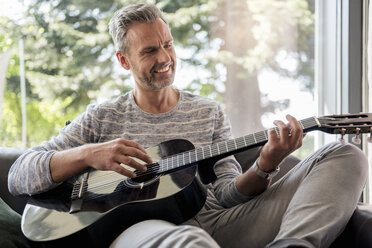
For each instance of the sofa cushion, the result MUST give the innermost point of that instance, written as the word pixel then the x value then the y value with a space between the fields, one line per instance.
pixel 10 228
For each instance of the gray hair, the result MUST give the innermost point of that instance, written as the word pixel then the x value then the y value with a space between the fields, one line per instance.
pixel 127 16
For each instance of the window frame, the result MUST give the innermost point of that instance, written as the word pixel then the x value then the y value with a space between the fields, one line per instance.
pixel 340 66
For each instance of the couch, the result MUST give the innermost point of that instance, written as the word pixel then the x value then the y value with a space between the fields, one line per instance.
pixel 358 232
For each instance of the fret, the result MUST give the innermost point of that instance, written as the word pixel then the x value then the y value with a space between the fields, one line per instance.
pixel 252 139
pixel 309 122
pixel 202 148
pixel 265 134
pixel 193 157
pixel 210 151
pixel 261 136
pixel 227 148
pixel 183 158
pixel 190 158
pixel 179 160
pixel 236 147
pixel 240 142
pixel 245 142
pixel 160 167
pixel 222 147
pixel 196 155
pixel 173 161
pixel 302 125
pixel 255 140
pixel 201 153
pixel 230 145
pixel 218 149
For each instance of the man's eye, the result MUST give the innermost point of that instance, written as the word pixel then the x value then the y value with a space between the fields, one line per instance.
pixel 168 45
pixel 150 51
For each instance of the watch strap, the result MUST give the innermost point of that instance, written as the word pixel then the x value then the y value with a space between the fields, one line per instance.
pixel 263 174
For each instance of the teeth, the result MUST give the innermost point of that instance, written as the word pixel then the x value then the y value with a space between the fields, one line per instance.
pixel 164 69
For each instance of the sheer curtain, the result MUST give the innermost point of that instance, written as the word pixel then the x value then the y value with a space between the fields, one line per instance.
pixel 4 60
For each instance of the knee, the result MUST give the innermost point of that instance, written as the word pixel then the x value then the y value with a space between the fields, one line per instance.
pixel 157 233
pixel 192 236
pixel 355 160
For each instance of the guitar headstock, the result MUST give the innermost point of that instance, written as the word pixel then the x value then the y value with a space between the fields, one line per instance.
pixel 346 124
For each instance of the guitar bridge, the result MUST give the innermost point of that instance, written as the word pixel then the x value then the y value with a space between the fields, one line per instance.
pixel 78 191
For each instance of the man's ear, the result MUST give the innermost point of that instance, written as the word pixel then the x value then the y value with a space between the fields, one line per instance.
pixel 123 60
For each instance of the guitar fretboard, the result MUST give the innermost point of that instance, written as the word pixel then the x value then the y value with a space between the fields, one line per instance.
pixel 223 148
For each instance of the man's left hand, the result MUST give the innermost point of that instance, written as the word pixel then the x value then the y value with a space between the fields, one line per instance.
pixel 279 146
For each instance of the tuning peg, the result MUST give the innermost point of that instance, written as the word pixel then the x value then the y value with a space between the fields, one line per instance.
pixel 356 140
pixel 342 140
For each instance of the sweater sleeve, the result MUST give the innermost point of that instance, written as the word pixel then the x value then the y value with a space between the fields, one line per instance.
pixel 228 169
pixel 30 173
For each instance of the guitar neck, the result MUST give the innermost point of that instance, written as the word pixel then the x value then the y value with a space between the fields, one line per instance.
pixel 225 148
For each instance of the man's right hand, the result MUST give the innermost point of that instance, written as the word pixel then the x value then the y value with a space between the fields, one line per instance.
pixel 101 156
pixel 109 156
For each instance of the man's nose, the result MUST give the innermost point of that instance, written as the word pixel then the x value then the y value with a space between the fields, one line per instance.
pixel 163 56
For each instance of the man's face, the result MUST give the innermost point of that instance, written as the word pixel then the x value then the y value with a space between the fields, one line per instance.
pixel 151 55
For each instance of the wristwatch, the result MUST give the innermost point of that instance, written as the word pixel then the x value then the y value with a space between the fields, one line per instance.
pixel 266 175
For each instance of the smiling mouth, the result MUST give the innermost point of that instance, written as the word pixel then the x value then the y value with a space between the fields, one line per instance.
pixel 164 69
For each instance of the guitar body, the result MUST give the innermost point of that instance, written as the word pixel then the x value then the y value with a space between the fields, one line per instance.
pixel 174 197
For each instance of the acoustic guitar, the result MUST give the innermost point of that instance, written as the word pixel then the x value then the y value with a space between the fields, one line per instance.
pixel 95 208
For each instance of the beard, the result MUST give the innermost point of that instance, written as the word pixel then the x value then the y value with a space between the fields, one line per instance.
pixel 151 81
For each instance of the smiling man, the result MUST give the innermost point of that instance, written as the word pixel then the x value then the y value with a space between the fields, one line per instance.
pixel 309 207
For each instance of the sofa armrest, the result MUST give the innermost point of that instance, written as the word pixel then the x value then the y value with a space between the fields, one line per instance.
pixel 358 231
pixel 7 158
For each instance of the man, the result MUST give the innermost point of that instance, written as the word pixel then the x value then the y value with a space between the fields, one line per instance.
pixel 309 207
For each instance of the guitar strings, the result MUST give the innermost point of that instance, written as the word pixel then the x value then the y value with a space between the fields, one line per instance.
pixel 98 185
pixel 102 182
pixel 156 168
pixel 160 167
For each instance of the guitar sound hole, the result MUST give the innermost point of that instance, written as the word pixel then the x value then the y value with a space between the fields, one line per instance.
pixel 139 182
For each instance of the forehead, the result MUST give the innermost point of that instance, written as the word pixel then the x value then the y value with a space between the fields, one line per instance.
pixel 148 34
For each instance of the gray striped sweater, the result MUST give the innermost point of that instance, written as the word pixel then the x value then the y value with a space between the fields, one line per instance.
pixel 197 119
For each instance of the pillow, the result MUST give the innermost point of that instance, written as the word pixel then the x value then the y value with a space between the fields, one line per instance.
pixel 10 228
